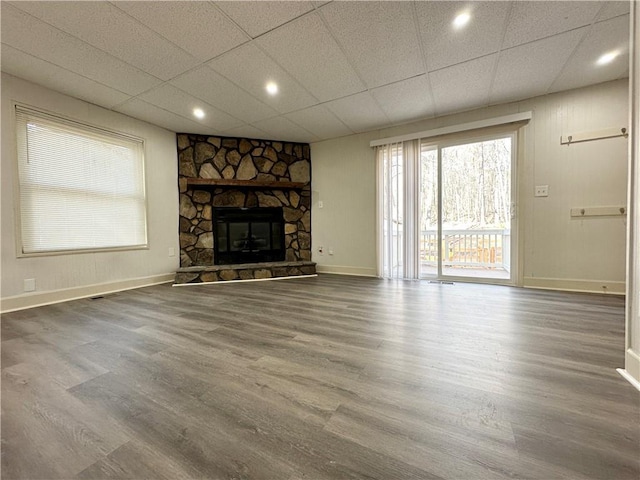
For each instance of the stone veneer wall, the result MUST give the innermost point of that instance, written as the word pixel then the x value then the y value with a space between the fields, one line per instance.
pixel 242 159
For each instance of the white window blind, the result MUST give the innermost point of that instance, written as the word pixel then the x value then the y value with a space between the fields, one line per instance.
pixel 391 210
pixel 81 187
pixel 398 210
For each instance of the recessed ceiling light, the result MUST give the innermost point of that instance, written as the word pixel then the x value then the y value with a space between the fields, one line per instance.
pixel 198 113
pixel 607 58
pixel 272 88
pixel 461 20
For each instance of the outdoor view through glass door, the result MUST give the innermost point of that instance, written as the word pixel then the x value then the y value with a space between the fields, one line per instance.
pixel 466 209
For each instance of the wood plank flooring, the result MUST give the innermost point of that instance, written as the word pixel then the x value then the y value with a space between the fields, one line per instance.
pixel 330 377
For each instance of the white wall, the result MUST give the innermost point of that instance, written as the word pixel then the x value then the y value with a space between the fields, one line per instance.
pixel 344 180
pixel 557 251
pixel 60 277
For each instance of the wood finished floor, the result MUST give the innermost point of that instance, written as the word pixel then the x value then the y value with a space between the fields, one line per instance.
pixel 320 378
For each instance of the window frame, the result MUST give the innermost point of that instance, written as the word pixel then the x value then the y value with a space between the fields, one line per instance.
pixel 81 126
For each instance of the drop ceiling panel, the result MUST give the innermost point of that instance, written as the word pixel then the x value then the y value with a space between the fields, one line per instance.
pixel 181 103
pixel 463 86
pixel 359 112
pixel 249 68
pixel 377 34
pixel 531 21
pixel 265 15
pixel 108 28
pixel 612 9
pixel 529 70
pixel 150 113
pixel 207 85
pixel 340 66
pixel 406 100
pixel 247 131
pixel 47 74
pixel 32 36
pixel 280 128
pixel 309 53
pixel 197 27
pixel 319 121
pixel 582 70
pixel 445 45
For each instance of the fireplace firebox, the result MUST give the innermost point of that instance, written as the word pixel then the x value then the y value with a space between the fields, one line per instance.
pixel 248 235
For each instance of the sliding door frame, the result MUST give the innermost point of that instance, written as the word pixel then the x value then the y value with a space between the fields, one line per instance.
pixel 514 243
pixel 507 126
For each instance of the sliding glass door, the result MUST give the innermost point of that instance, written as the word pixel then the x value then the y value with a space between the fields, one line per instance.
pixel 466 209
pixel 446 209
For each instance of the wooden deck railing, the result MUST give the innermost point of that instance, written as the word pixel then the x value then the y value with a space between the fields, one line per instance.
pixel 469 248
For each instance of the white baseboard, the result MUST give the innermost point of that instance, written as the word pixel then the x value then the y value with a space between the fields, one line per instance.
pixel 38 299
pixel 631 369
pixel 627 376
pixel 346 270
pixel 576 285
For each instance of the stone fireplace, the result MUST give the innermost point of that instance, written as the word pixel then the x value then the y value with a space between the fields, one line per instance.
pixel 222 180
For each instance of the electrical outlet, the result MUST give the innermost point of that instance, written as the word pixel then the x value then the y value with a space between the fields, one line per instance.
pixel 172 252
pixel 320 204
pixel 330 251
pixel 29 284
pixel 542 191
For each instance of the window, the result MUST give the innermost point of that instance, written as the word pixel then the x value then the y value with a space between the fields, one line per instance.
pixel 81 187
